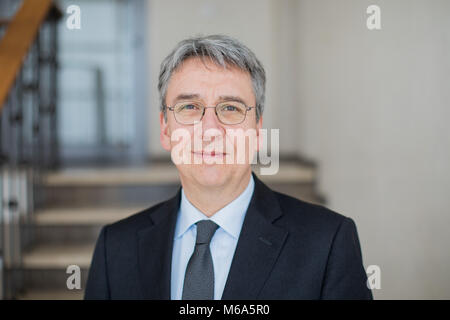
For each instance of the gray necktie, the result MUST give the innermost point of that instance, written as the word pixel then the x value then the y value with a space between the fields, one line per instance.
pixel 199 277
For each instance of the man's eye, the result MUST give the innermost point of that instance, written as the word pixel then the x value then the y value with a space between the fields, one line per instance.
pixel 230 108
pixel 189 107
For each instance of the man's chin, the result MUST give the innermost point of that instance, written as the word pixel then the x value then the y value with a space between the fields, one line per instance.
pixel 207 175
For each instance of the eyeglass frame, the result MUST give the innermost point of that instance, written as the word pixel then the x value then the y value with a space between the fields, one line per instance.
pixel 215 111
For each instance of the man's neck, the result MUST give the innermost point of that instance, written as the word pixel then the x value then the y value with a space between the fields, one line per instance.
pixel 209 200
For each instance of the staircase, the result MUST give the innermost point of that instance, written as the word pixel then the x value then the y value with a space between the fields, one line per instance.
pixel 28 131
pixel 78 202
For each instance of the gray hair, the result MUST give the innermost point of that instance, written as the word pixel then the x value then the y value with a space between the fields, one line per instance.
pixel 223 51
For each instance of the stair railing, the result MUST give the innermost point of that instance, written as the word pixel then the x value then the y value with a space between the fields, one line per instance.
pixel 28 128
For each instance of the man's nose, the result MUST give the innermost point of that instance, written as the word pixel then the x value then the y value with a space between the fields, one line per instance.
pixel 211 127
pixel 210 119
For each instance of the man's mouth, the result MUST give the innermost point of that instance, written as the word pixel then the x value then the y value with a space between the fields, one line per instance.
pixel 210 154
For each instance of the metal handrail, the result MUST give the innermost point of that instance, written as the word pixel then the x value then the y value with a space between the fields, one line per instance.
pixel 27 129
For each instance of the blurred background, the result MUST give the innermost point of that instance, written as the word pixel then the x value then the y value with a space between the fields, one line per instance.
pixel 363 118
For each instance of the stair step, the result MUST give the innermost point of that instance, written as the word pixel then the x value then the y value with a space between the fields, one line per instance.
pixel 118 196
pixel 82 216
pixel 145 186
pixel 51 294
pixel 51 279
pixel 161 174
pixel 303 192
pixel 151 175
pixel 290 173
pixel 58 256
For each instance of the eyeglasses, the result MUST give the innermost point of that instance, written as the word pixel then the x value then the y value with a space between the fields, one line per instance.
pixel 228 112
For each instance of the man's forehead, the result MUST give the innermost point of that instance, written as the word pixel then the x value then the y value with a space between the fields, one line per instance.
pixel 199 78
pixel 206 64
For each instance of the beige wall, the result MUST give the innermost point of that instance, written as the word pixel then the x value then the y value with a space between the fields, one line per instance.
pixel 375 107
pixel 371 107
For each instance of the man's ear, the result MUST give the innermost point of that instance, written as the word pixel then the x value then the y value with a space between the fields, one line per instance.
pixel 164 134
pixel 259 137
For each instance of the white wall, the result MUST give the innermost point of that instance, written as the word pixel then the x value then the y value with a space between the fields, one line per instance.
pixel 371 107
pixel 374 111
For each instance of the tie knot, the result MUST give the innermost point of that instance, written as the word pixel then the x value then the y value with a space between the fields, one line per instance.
pixel 205 231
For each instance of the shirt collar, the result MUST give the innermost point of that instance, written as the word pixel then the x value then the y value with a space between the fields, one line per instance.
pixel 230 218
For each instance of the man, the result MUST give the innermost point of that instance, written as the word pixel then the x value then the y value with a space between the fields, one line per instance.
pixel 225 235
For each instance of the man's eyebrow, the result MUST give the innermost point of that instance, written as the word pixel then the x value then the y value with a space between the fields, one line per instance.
pixel 187 96
pixel 232 98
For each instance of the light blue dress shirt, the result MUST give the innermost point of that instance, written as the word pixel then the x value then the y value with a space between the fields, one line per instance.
pixel 223 243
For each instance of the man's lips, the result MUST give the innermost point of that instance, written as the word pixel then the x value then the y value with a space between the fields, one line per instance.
pixel 210 154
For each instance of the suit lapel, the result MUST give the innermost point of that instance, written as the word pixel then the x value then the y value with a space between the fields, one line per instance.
pixel 258 248
pixel 155 243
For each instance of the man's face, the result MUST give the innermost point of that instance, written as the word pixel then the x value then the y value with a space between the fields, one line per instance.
pixel 208 84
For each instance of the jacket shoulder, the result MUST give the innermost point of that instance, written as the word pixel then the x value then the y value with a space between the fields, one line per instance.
pixel 308 216
pixel 130 225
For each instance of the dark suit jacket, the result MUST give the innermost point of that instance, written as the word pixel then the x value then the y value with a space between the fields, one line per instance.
pixel 287 249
